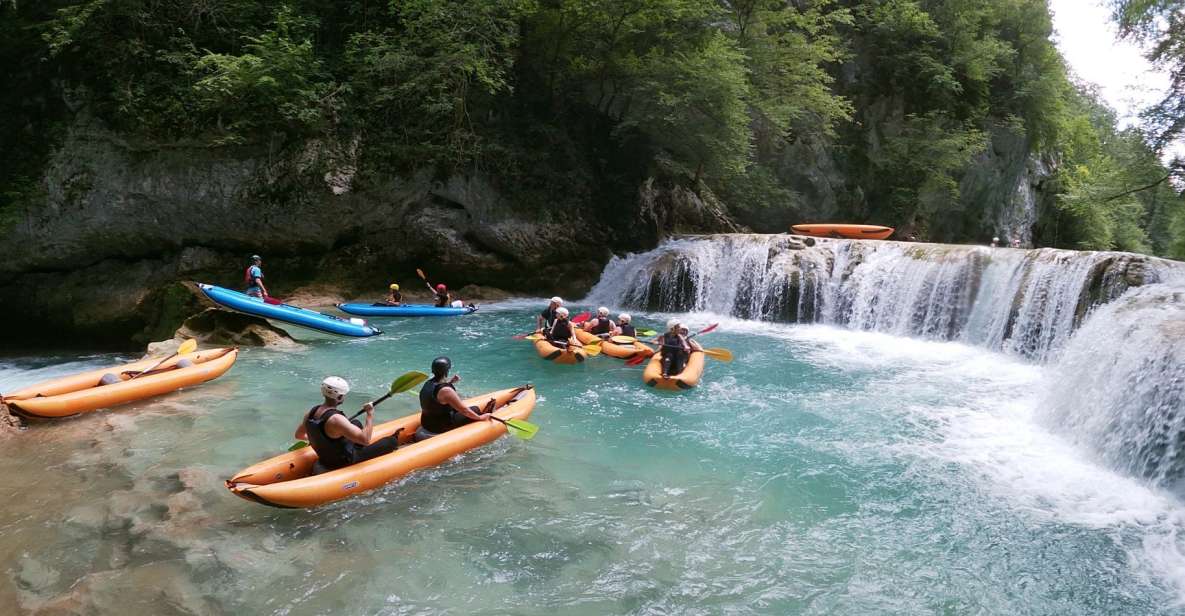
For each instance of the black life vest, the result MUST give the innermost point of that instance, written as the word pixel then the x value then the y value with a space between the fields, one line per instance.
pixel 434 416
pixel 628 330
pixel 560 330
pixel 443 300
pixel 672 344
pixel 548 315
pixel 603 326
pixel 332 452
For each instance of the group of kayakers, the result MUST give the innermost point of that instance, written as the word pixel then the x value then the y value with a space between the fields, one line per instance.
pixel 554 324
pixel 340 441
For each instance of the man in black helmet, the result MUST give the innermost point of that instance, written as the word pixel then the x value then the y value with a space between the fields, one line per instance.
pixel 441 408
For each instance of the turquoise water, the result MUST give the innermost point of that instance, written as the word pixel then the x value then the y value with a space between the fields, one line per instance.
pixel 823 472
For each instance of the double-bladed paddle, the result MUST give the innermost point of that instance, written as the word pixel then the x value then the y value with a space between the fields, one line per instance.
pixel 398 386
pixel 186 348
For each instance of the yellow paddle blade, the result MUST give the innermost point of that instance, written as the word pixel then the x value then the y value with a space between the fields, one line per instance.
pixel 187 347
pixel 624 339
pixel 408 381
pixel 723 355
pixel 534 337
pixel 592 350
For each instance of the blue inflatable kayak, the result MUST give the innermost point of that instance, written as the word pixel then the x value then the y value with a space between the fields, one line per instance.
pixel 406 310
pixel 240 302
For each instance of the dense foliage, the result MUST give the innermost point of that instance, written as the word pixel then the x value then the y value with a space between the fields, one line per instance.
pixel 755 100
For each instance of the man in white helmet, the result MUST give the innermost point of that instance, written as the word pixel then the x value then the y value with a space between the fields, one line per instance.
pixel 338 441
pixel 560 333
pixel 625 325
pixel 547 317
pixel 675 349
pixel 602 326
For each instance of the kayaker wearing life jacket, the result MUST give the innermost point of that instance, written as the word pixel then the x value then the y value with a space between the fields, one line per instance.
pixel 695 346
pixel 338 441
pixel 394 297
pixel 547 317
pixel 560 333
pixel 602 326
pixel 441 408
pixel 253 277
pixel 674 348
pixel 440 292
pixel 624 326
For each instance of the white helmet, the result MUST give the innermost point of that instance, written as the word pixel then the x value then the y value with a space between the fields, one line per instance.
pixel 557 300
pixel 624 317
pixel 335 388
pixel 672 324
pixel 561 312
pixel 602 312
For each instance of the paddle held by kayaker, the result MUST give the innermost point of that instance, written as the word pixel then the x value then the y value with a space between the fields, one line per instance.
pixel 547 317
pixel 560 333
pixel 394 297
pixel 253 276
pixel 441 408
pixel 602 326
pixel 338 441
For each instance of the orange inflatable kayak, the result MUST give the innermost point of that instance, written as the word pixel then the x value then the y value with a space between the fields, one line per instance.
pixel 851 232
pixel 687 379
pixel 554 353
pixel 287 480
pixel 80 393
pixel 613 349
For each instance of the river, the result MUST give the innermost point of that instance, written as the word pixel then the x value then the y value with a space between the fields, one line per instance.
pixel 827 470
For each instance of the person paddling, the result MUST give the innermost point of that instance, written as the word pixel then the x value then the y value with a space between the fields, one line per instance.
pixel 394 297
pixel 441 295
pixel 602 326
pixel 625 326
pixel 338 441
pixel 441 408
pixel 695 346
pixel 254 278
pixel 547 317
pixel 675 349
pixel 560 333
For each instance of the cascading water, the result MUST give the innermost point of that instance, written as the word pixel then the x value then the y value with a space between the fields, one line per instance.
pixel 1024 302
pixel 1110 325
pixel 1119 388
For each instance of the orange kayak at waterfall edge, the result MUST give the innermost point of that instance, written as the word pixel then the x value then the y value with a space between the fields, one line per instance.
pixel 843 231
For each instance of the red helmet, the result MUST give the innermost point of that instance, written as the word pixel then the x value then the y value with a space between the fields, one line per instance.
pixel 441 287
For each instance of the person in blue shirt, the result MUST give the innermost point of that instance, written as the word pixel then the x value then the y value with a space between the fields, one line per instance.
pixel 254 278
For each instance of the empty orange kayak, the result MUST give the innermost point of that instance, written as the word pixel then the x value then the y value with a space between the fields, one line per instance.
pixel 287 480
pixel 554 353
pixel 687 379
pixel 613 349
pixel 80 393
pixel 852 232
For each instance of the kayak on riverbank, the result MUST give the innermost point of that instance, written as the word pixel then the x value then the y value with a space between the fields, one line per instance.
pixel 82 392
pixel 286 313
pixel 845 231
pixel 405 310
pixel 287 480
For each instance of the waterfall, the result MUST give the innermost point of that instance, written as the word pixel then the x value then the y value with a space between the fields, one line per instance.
pixel 1119 388
pixel 1023 302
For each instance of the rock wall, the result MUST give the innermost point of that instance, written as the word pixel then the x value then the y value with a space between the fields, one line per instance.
pixel 123 221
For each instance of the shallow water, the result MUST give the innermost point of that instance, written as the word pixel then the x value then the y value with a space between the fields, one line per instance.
pixel 824 471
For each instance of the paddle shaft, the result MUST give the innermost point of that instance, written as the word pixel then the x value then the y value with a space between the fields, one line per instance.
pixel 381 399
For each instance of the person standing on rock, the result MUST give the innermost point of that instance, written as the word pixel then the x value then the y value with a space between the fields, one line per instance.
pixel 254 278
pixel 547 317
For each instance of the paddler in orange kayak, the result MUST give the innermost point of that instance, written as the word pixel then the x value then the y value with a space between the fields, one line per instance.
pixel 441 408
pixel 602 326
pixel 560 333
pixel 340 442
pixel 547 317
pixel 675 349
